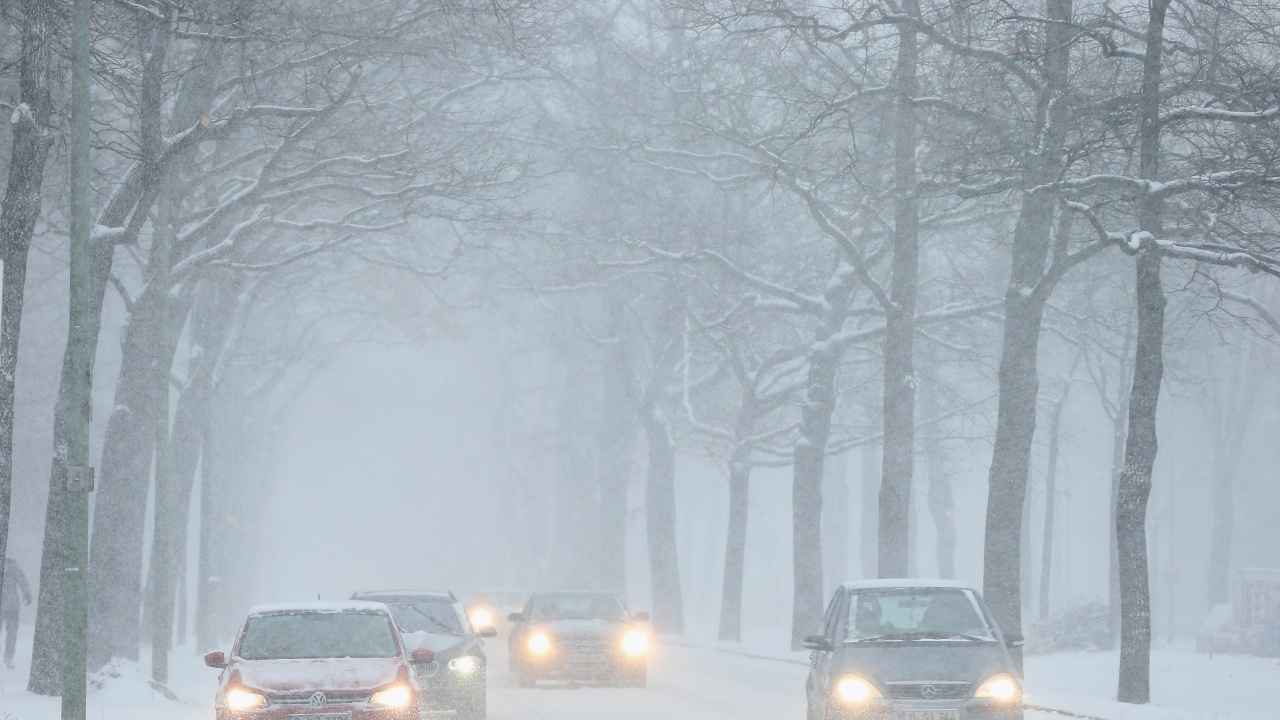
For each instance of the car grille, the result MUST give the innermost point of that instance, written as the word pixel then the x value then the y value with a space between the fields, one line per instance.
pixel 927 690
pixel 586 652
pixel 304 699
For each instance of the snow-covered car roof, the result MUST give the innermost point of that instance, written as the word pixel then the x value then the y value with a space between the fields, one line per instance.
pixel 441 595
pixel 904 583
pixel 317 606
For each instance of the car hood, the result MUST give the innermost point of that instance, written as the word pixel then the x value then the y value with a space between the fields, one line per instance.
pixel 580 629
pixel 327 674
pixel 444 646
pixel 918 662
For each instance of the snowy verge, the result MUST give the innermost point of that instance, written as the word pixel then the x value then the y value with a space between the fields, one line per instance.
pixel 1185 686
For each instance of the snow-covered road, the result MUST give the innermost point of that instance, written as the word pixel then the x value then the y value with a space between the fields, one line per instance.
pixel 703 683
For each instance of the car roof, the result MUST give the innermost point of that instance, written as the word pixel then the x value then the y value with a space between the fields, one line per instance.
pixel 904 583
pixel 406 595
pixel 571 591
pixel 317 606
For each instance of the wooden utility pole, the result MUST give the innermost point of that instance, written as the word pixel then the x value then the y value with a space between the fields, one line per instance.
pixel 79 474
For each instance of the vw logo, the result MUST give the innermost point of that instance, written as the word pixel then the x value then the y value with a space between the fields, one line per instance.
pixel 318 700
pixel 928 692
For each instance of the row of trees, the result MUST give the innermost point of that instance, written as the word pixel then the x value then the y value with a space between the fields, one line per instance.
pixel 824 186
pixel 773 229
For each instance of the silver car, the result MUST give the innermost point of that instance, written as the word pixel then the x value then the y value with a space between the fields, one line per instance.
pixel 910 650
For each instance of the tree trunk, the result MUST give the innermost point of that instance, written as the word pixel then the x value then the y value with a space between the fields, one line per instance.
pixel 19 211
pixel 1134 684
pixel 575 511
pixel 806 491
pixel 867 530
pixel 115 554
pixel 941 500
pixel 735 550
pixel 835 521
pixel 1231 426
pixel 1050 498
pixel 899 339
pixel 46 657
pixel 1028 290
pixel 616 446
pixel 1117 466
pixel 660 526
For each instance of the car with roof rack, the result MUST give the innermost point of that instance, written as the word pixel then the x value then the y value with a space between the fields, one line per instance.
pixel 909 649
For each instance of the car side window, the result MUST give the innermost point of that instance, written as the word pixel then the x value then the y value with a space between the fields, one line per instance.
pixel 831 624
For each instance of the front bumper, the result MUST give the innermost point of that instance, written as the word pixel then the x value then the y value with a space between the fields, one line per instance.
pixel 451 690
pixel 594 665
pixel 883 709
pixel 345 712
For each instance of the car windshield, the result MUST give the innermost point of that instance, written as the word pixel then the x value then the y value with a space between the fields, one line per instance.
pixel 318 635
pixel 916 614
pixel 441 618
pixel 577 606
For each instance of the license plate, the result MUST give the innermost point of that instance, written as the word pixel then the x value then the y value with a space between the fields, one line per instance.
pixel 928 715
pixel 319 716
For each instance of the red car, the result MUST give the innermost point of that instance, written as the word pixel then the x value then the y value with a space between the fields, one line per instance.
pixel 318 661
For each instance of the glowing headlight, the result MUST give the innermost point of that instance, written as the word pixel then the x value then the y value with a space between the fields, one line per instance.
pixel 1000 686
pixel 854 689
pixel 635 643
pixel 464 664
pixel 396 696
pixel 481 618
pixel 539 644
pixel 240 699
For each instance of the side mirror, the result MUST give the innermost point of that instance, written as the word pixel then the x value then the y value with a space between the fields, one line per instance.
pixel 216 660
pixel 817 642
pixel 487 631
pixel 516 617
pixel 640 616
pixel 422 655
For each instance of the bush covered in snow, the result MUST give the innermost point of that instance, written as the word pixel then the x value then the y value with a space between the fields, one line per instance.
pixel 1081 627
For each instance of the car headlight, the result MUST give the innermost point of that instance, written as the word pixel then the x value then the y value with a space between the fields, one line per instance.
pixel 481 617
pixel 1000 686
pixel 396 696
pixel 856 689
pixel 635 643
pixel 539 644
pixel 241 699
pixel 466 664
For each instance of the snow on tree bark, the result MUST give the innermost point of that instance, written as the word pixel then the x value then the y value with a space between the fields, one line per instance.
pixel 19 210
pixel 899 339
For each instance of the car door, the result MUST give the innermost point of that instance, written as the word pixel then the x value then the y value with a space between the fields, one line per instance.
pixel 821 661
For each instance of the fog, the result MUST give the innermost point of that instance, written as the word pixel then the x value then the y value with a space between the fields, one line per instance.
pixel 741 310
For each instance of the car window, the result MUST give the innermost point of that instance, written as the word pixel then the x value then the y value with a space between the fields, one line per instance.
pixel 924 613
pixel 831 625
pixel 576 606
pixel 318 635
pixel 442 618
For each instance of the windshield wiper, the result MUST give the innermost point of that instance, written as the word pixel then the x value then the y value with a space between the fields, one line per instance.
pixel 922 635
pixel 434 621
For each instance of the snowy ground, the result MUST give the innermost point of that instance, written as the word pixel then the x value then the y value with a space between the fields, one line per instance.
pixel 738 682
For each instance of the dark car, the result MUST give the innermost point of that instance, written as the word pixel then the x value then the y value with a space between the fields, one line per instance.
pixel 318 661
pixel 436 621
pixel 910 650
pixel 579 636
